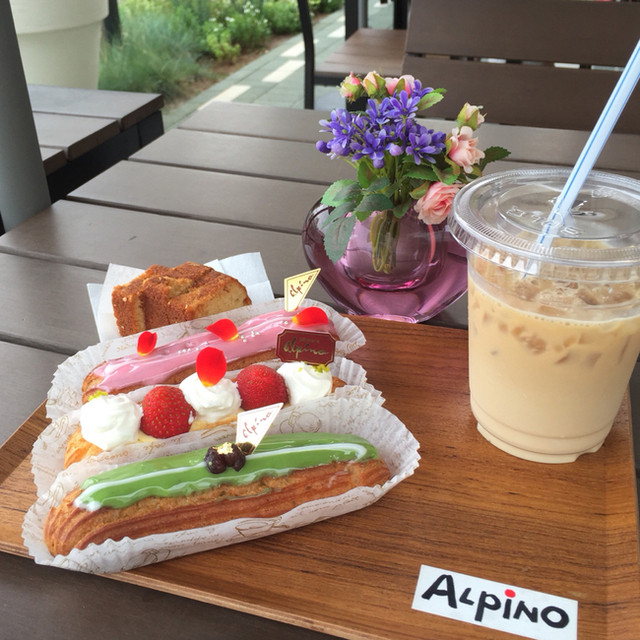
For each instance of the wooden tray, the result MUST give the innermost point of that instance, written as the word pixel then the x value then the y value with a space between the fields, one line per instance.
pixel 570 530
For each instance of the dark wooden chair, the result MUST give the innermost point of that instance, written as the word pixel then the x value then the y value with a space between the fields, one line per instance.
pixel 450 42
pixel 362 51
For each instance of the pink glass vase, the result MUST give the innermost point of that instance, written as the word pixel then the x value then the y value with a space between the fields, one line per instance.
pixel 407 272
pixel 389 253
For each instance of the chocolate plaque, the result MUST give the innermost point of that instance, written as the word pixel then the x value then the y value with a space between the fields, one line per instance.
pixel 313 347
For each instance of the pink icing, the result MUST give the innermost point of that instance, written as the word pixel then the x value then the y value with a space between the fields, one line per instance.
pixel 256 335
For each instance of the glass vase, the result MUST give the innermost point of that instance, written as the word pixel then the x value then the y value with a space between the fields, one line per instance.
pixel 411 272
pixel 389 253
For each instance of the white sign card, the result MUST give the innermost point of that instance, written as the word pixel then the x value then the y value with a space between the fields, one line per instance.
pixel 253 425
pixel 297 287
pixel 503 607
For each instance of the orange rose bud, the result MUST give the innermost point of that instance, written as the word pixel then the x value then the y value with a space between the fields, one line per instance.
pixel 147 342
pixel 211 365
pixel 224 329
pixel 311 315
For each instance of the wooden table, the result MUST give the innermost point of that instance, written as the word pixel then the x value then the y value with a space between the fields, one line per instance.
pixel 569 530
pixel 82 132
pixel 238 178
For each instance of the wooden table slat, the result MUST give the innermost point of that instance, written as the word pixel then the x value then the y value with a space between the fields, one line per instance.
pixel 53 159
pixel 45 304
pixel 257 120
pixel 240 155
pixel 205 195
pixel 75 134
pixel 127 107
pixel 25 375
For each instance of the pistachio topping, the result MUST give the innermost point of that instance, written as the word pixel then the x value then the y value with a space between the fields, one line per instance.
pixel 186 473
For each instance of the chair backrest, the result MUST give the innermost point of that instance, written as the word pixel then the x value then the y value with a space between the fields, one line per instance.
pixel 454 44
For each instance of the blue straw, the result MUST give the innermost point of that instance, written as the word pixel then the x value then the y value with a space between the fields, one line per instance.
pixel 594 145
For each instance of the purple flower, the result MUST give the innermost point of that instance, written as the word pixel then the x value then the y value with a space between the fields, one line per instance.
pixel 424 144
pixel 373 145
pixel 386 128
pixel 404 106
pixel 342 129
pixel 377 113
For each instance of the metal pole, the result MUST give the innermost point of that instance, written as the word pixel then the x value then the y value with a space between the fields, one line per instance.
pixel 306 25
pixel 23 184
pixel 112 26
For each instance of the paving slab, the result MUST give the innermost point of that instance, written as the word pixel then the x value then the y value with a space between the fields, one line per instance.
pixel 277 77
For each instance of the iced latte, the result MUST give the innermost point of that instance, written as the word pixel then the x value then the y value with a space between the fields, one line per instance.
pixel 554 333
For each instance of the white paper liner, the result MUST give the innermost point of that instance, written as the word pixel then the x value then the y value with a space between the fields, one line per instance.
pixel 47 457
pixel 364 417
pixel 65 394
pixel 248 268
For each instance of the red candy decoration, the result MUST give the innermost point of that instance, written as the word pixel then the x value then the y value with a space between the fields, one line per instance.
pixel 311 315
pixel 147 342
pixel 224 329
pixel 211 365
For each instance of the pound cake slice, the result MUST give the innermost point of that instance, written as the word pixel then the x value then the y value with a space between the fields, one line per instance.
pixel 166 295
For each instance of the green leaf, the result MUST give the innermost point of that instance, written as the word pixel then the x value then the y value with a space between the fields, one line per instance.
pixel 423 172
pixel 339 212
pixel 349 193
pixel 379 184
pixel 419 191
pixel 365 175
pixel 400 209
pixel 362 215
pixel 448 176
pixel 336 237
pixel 431 98
pixel 491 154
pixel 340 191
pixel 375 202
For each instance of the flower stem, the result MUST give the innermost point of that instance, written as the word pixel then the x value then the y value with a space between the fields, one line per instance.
pixel 384 234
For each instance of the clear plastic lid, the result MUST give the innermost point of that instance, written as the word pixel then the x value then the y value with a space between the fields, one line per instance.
pixel 501 216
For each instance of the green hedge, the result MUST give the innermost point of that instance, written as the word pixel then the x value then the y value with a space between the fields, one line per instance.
pixel 164 43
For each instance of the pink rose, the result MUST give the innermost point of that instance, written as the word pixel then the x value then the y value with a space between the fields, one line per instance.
pixel 350 86
pixel 470 114
pixel 373 82
pixel 435 205
pixel 463 148
pixel 407 85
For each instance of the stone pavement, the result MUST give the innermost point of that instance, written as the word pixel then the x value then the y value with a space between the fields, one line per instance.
pixel 277 77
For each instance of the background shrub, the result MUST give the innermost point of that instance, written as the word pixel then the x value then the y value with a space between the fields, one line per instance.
pixel 155 54
pixel 325 6
pixel 218 43
pixel 166 44
pixel 282 15
pixel 248 27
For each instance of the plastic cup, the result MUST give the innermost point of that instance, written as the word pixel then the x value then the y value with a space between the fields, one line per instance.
pixel 554 331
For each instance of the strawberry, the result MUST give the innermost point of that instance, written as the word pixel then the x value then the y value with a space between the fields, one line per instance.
pixel 165 412
pixel 259 386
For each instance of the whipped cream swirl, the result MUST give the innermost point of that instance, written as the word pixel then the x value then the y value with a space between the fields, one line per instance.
pixel 211 403
pixel 110 421
pixel 305 381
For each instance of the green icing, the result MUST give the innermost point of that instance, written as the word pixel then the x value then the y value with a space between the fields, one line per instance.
pixel 186 473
